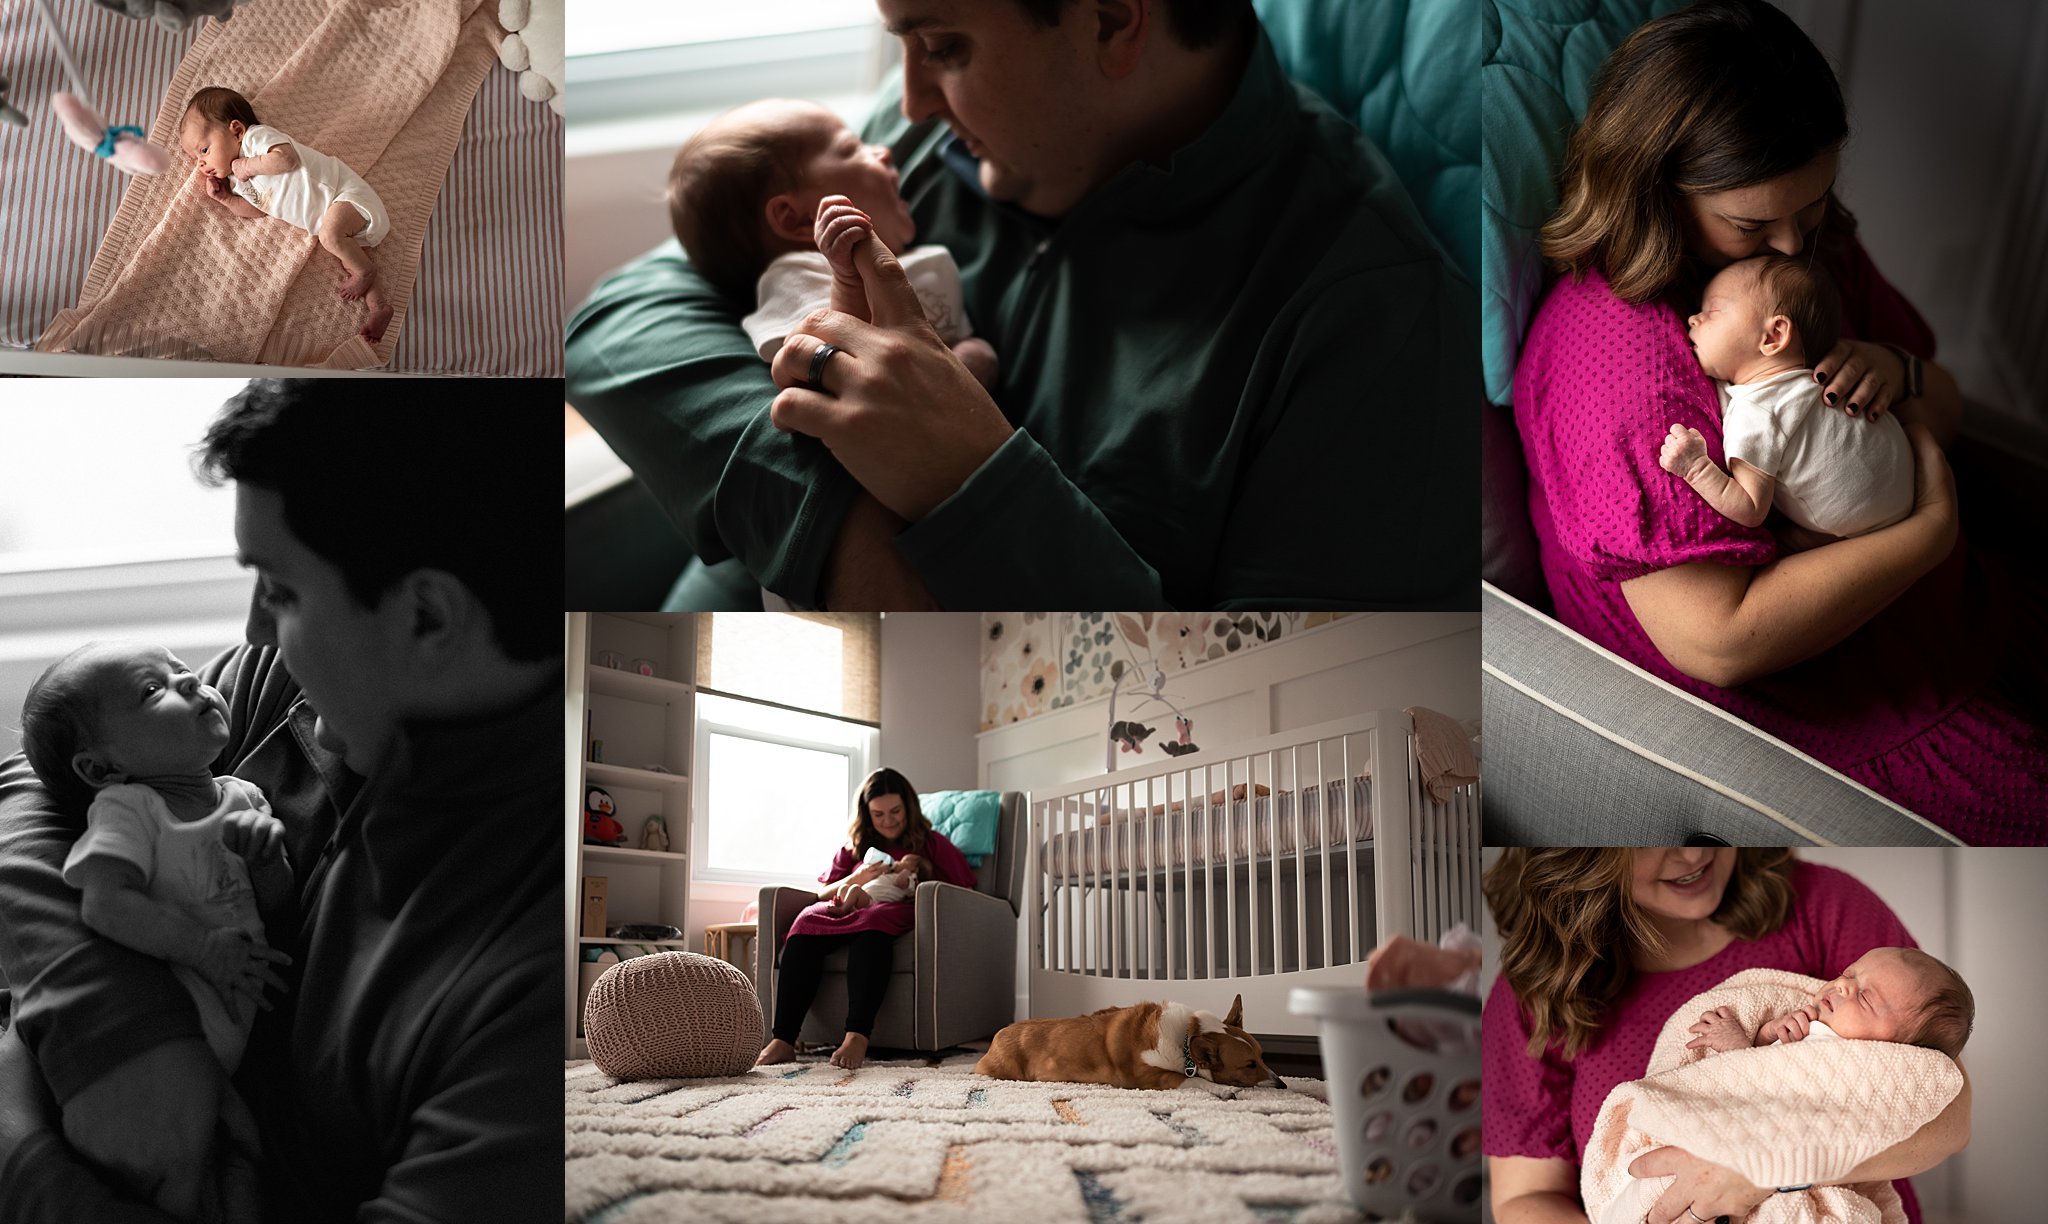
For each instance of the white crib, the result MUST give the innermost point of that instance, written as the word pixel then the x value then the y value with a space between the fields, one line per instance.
pixel 1248 870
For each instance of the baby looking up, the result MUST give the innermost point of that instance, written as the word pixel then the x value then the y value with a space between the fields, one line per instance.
pixel 745 195
pixel 898 880
pixel 174 863
pixel 1760 324
pixel 1888 994
pixel 253 170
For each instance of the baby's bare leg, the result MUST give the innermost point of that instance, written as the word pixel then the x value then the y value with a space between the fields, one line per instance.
pixel 150 1124
pixel 979 356
pixel 339 226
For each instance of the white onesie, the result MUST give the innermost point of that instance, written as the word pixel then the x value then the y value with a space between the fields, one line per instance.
pixel 188 867
pixel 801 281
pixel 1837 474
pixel 302 196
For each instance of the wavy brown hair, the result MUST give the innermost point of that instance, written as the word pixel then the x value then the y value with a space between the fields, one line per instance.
pixel 1720 95
pixel 1568 917
pixel 861 833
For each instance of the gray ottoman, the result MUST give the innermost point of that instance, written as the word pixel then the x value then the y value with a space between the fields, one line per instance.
pixel 673 1015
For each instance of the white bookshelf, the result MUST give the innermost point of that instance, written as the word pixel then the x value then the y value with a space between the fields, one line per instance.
pixel 645 724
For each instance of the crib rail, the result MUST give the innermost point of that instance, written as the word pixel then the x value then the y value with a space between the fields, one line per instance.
pixel 1285 859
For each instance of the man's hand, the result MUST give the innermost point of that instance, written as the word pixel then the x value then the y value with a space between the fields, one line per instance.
pixel 1703 1190
pixel 257 836
pixel 898 409
pixel 1718 1030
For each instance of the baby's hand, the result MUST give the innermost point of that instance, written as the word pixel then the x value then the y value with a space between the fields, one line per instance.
pixel 257 836
pixel 213 188
pixel 1684 451
pixel 840 228
pixel 241 169
pixel 1718 1030
pixel 238 965
pixel 1794 1026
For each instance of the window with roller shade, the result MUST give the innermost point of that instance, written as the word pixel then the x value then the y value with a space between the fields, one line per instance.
pixel 787 712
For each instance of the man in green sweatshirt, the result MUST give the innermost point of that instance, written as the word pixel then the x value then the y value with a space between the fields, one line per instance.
pixel 1235 369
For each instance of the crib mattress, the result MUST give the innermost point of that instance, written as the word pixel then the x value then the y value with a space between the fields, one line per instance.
pixel 1169 837
pixel 488 297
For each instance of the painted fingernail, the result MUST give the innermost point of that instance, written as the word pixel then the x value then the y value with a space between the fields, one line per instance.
pixel 1852 409
pixel 1831 397
pixel 1820 376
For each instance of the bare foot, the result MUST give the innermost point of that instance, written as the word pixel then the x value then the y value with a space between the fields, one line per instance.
pixel 851 1052
pixel 356 284
pixel 776 1051
pixel 380 318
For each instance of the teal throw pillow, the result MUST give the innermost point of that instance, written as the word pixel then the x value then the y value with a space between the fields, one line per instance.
pixel 967 818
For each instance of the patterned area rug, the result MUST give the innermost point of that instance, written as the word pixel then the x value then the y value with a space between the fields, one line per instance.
pixel 918 1142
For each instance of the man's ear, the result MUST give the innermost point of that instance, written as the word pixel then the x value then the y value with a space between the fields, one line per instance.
pixel 1122 28
pixel 95 772
pixel 1777 335
pixel 441 613
pixel 789 220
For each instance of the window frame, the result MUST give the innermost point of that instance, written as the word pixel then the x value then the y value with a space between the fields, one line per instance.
pixel 861 748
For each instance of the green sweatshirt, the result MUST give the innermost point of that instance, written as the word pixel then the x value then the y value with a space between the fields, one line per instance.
pixel 1246 378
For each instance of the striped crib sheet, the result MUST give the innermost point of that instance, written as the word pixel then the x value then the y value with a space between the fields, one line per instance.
pixel 488 298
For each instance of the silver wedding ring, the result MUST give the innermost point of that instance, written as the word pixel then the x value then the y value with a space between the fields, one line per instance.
pixel 1697 1216
pixel 816 381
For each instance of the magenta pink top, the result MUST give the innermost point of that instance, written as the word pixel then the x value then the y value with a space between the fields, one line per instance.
pixel 1938 702
pixel 1545 1107
pixel 890 917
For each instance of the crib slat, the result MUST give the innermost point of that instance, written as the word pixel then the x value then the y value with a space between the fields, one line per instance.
pixel 1329 849
pixel 1300 863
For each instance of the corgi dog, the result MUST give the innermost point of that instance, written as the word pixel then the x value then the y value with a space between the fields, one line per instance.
pixel 1148 1045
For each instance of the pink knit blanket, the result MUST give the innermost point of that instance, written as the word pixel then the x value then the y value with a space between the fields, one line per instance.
pixel 1783 1115
pixel 384 85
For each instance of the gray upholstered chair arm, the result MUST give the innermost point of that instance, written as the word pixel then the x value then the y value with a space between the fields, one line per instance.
pixel 966 964
pixel 779 907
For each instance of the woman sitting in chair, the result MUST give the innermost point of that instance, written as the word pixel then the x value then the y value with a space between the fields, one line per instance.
pixel 886 817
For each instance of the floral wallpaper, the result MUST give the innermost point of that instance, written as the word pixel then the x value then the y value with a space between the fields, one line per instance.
pixel 1034 662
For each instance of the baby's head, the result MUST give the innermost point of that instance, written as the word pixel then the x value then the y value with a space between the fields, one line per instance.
pixel 1767 312
pixel 746 188
pixel 1902 995
pixel 113 711
pixel 211 131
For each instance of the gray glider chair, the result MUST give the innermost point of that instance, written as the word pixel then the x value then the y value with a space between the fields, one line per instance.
pixel 956 971
pixel 1582 747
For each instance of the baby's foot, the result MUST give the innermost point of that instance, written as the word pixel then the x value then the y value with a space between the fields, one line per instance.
pixel 851 1052
pixel 980 359
pixel 356 284
pixel 380 318
pixel 1684 452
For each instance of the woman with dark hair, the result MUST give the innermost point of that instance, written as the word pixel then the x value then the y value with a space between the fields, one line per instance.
pixel 1598 948
pixel 1714 134
pixel 886 816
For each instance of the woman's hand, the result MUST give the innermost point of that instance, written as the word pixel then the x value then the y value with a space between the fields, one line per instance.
pixel 1934 488
pixel 1703 1191
pixel 1861 378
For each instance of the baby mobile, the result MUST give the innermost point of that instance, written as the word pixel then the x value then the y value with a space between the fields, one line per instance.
pixel 1128 734
pixel 122 146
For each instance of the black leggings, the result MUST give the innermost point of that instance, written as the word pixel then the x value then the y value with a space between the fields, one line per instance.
pixel 869 958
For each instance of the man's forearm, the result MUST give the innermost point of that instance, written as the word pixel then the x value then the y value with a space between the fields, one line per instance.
pixel 864 571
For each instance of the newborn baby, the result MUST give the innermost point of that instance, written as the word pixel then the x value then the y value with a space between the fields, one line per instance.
pixel 745 197
pixel 257 171
pixel 1761 323
pixel 1888 994
pixel 896 884
pixel 174 863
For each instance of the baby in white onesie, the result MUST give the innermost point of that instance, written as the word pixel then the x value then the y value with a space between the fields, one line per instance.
pixel 254 170
pixel 1887 994
pixel 174 863
pixel 1760 324
pixel 770 200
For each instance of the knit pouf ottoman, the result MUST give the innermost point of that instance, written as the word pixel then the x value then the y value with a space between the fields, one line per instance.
pixel 673 1015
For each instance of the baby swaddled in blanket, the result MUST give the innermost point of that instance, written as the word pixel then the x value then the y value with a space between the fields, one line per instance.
pixel 1775 1062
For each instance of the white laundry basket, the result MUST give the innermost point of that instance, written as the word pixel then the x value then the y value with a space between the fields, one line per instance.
pixel 1407 1118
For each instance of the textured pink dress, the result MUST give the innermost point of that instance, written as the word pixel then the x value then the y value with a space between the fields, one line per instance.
pixel 1545 1107
pixel 1938 703
pixel 889 917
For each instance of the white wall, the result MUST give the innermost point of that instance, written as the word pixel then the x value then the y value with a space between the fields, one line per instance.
pixel 931 683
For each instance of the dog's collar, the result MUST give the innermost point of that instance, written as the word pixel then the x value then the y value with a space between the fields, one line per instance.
pixel 1187 1060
